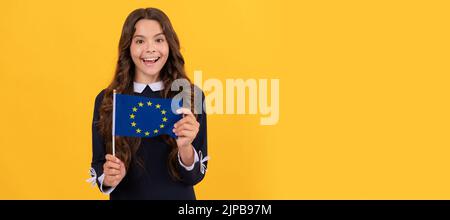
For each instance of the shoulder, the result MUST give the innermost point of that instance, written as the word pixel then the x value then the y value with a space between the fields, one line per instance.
pixel 198 91
pixel 99 98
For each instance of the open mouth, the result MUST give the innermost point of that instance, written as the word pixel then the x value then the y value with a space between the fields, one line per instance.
pixel 150 61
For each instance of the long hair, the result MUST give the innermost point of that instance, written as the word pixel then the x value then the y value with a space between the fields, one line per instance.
pixel 126 147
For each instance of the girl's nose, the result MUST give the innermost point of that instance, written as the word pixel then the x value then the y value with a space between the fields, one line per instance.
pixel 150 49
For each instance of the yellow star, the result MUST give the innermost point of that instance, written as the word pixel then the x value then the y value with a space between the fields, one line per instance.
pixel 161 126
pixel 138 130
pixel 158 106
pixel 155 131
pixel 163 112
pixel 140 104
pixel 133 124
pixel 149 103
pixel 147 133
pixel 134 109
pixel 132 116
pixel 164 119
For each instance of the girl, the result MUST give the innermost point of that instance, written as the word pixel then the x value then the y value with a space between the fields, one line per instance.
pixel 148 168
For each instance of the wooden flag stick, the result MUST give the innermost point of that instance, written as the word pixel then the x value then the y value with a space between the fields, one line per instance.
pixel 114 123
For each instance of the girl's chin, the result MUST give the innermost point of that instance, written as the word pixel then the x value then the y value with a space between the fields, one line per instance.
pixel 150 72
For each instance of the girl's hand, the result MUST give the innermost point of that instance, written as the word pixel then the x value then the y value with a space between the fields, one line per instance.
pixel 186 129
pixel 114 171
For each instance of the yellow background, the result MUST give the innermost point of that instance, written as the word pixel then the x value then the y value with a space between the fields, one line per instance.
pixel 364 88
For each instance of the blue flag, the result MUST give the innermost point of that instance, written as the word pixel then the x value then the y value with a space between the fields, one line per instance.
pixel 138 116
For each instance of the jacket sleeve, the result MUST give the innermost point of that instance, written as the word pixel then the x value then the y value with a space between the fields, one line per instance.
pixel 98 145
pixel 195 175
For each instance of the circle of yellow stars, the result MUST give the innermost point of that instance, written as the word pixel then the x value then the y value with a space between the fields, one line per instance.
pixel 133 116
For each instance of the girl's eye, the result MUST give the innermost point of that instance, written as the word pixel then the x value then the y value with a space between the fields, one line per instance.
pixel 159 40
pixel 139 41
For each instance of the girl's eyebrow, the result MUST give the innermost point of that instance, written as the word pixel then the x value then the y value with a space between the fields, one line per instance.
pixel 158 34
pixel 142 36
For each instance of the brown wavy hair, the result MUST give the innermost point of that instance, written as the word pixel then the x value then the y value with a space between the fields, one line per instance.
pixel 126 147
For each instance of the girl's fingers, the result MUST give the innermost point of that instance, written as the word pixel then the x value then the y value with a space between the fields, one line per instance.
pixel 112 165
pixel 184 111
pixel 112 158
pixel 186 120
pixel 185 127
pixel 186 133
pixel 112 172
pixel 187 114
pixel 190 116
pixel 183 121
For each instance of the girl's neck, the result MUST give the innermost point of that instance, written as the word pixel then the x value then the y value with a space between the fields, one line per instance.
pixel 141 78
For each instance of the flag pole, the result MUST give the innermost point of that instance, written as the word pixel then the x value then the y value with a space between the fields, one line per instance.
pixel 114 123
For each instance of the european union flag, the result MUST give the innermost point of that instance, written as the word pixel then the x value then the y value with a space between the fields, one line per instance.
pixel 137 116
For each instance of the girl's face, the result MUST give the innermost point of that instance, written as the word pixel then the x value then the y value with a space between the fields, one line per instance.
pixel 149 50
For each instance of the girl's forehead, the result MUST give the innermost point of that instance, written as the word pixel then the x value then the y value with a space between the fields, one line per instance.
pixel 147 28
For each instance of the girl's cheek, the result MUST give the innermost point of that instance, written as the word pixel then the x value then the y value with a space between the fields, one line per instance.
pixel 136 49
pixel 163 48
pixel 133 50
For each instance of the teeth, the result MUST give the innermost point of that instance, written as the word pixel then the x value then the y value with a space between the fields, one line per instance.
pixel 151 59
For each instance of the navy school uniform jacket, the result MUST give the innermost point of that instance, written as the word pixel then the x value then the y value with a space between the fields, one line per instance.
pixel 153 182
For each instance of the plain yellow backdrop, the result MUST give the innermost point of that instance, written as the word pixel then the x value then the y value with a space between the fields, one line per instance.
pixel 364 95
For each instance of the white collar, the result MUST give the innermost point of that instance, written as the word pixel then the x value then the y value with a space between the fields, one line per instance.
pixel 156 86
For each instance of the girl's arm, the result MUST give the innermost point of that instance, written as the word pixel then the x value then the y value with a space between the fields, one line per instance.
pixel 193 174
pixel 98 147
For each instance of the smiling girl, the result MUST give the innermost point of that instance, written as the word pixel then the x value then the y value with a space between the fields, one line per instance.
pixel 148 168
